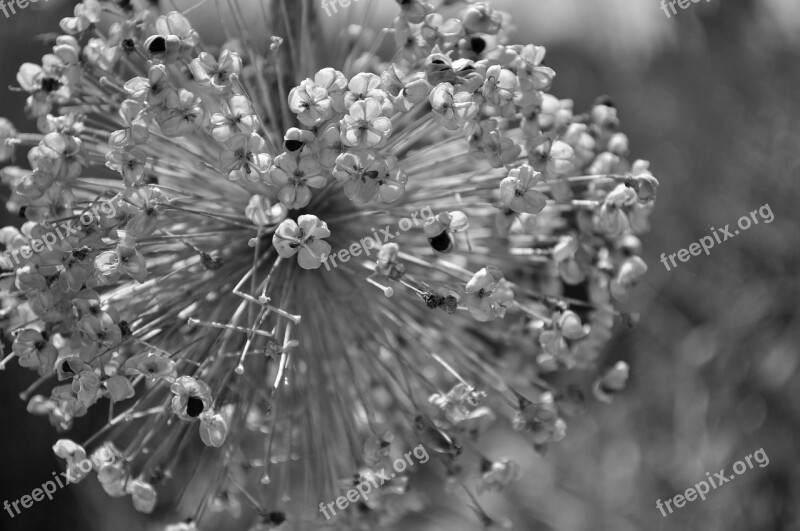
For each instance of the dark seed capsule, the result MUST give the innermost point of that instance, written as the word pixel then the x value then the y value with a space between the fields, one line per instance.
pixel 274 517
pixel 157 45
pixel 50 84
pixel 293 145
pixel 441 242
pixel 66 370
pixel 194 406
pixel 478 44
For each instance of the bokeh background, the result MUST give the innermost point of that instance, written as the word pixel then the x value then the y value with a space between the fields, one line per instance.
pixel 712 98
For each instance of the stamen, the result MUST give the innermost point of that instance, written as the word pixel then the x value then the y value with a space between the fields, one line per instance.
pixel 387 291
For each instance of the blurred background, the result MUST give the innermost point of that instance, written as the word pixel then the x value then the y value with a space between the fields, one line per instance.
pixel 711 96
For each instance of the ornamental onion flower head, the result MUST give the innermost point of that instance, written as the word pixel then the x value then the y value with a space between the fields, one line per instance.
pixel 307 259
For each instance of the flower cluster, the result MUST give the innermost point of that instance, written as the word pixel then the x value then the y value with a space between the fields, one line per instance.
pixel 232 175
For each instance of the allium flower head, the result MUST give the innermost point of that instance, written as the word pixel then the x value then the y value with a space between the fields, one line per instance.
pixel 183 198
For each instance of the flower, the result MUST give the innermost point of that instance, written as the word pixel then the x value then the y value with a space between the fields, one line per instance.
pixel 75 456
pixel 488 294
pixel 451 110
pixel 311 103
pixel 129 163
pixel 295 179
pixel 529 68
pixel 113 477
pixel 245 157
pixel 87 13
pixel 213 429
pixel 207 71
pixel 152 365
pixel 365 127
pixel 485 230
pixel 34 351
pixel 497 475
pixel 612 382
pixel 182 112
pixel 500 85
pixel 237 116
pixel 143 494
pixel 192 397
pixel 304 238
pixel 135 131
pixel 517 191
pixel 7 132
pixel 152 89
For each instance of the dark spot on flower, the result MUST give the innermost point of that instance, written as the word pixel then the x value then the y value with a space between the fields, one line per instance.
pixel 210 263
pixel 363 507
pixel 124 328
pixel 65 368
pixel 157 45
pixel 293 145
pixel 125 5
pixel 128 46
pixel 604 100
pixel 273 517
pixel 477 44
pixel 156 475
pixel 50 84
pixel 82 253
pixel 39 345
pixel 441 242
pixel 194 406
pixel 22 211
